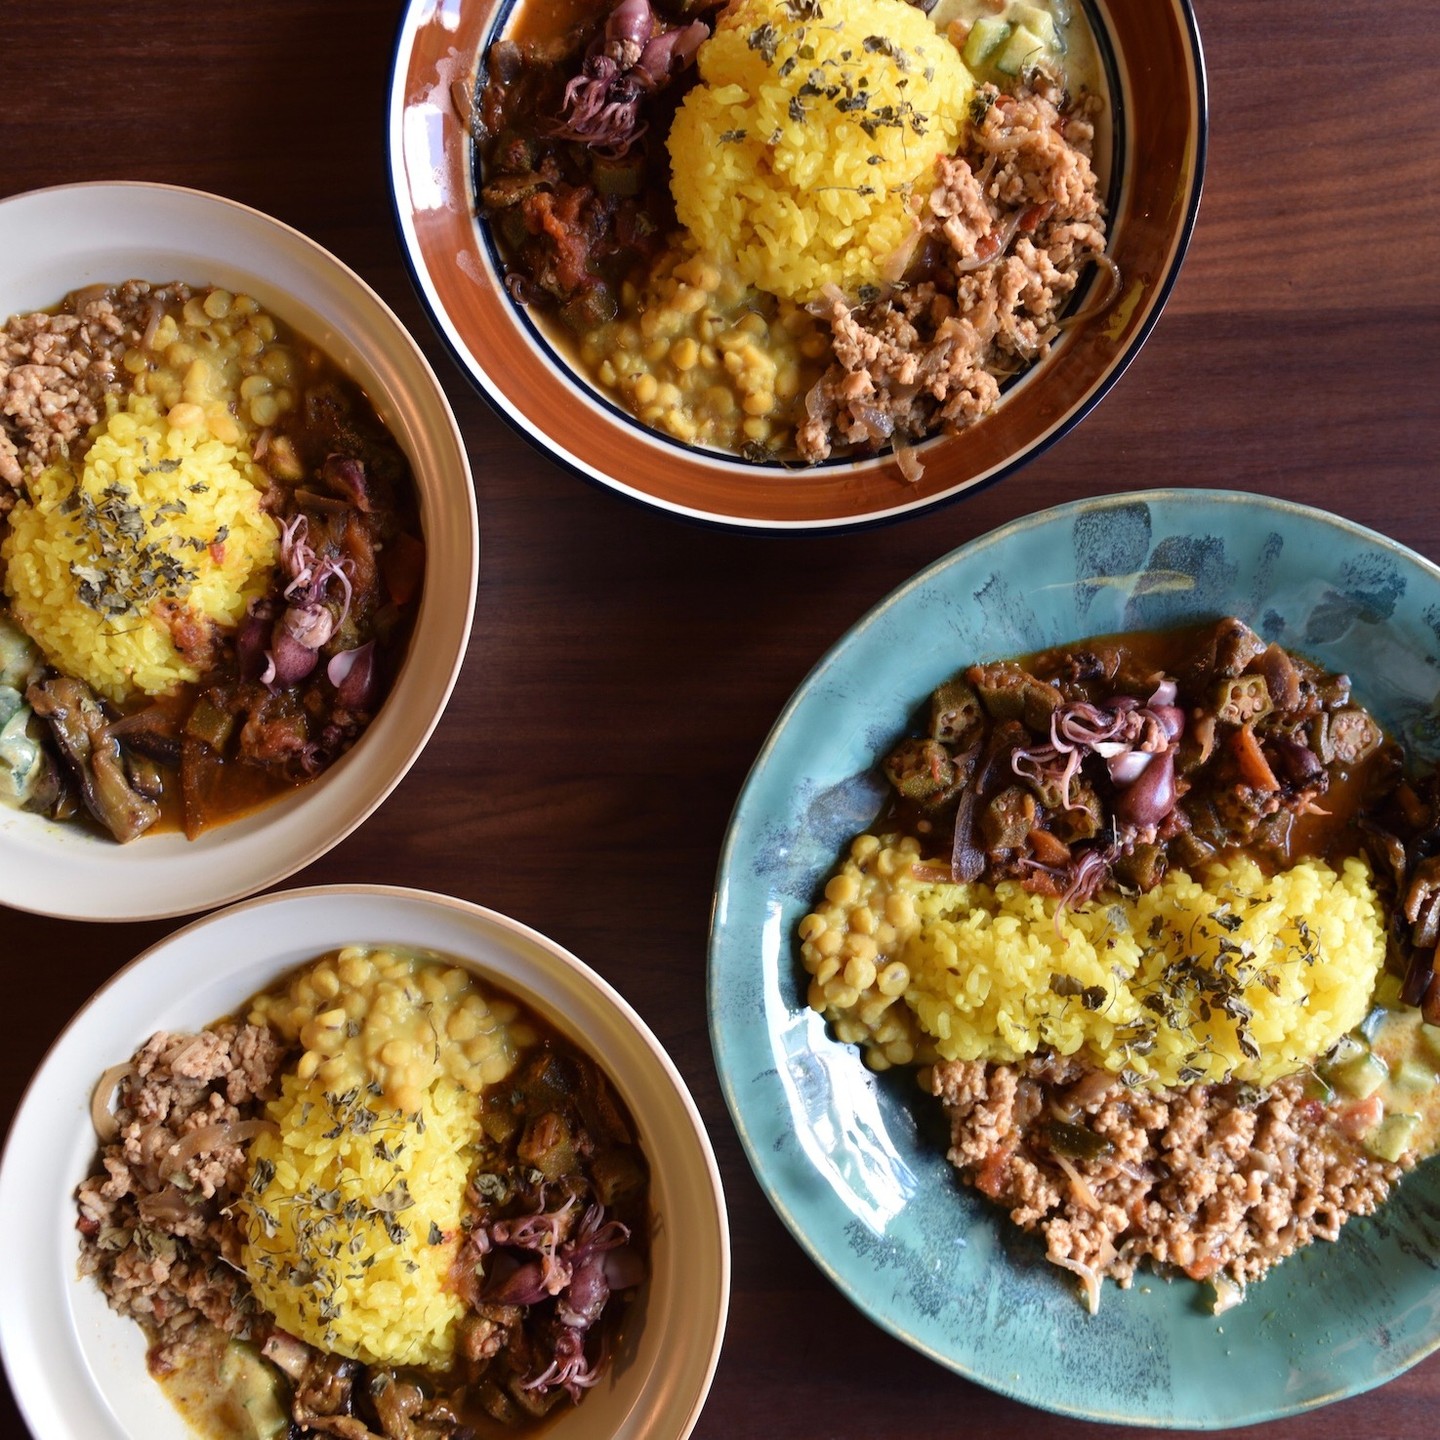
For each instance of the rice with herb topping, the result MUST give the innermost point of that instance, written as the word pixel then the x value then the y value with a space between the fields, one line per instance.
pixel 352 1219
pixel 1230 974
pixel 1241 977
pixel 795 157
pixel 158 524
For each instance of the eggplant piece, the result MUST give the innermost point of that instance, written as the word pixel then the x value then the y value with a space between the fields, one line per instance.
pixel 150 733
pixel 82 732
pixel 1077 1142
pixel 1282 679
pixel 1233 645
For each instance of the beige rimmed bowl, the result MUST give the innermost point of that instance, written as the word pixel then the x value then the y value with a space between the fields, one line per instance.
pixel 78 1369
pixel 57 240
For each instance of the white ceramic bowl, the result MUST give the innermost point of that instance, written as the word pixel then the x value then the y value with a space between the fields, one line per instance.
pixel 54 241
pixel 78 1369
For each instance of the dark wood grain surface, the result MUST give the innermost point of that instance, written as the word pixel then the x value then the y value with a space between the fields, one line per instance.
pixel 625 668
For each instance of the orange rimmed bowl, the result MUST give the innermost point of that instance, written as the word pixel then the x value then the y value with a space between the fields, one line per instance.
pixel 1151 50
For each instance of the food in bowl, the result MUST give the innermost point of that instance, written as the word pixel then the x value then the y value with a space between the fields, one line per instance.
pixel 789 230
pixel 1155 918
pixel 211 559
pixel 381 1200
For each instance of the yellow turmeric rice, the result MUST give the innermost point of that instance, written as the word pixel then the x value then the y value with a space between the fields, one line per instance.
pixel 800 156
pixel 158 523
pixel 353 1216
pixel 1232 974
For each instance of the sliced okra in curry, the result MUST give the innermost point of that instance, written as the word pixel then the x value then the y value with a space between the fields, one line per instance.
pixel 1346 736
pixel 956 716
pixel 923 771
pixel 1242 698
pixel 1010 692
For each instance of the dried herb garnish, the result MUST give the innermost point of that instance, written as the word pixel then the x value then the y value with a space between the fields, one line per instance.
pixel 329 1224
pixel 127 571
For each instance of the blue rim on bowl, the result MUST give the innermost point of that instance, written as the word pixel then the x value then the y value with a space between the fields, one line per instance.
pixel 854 1163
pixel 1155 56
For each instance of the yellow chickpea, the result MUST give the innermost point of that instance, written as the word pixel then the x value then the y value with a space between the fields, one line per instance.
pixel 859 972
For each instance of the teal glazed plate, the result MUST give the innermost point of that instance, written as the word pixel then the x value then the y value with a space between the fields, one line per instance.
pixel 854 1163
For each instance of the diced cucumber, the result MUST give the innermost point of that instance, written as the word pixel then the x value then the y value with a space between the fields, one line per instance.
pixel 255 1387
pixel 1392 1137
pixel 1370 1026
pixel 1361 1077
pixel 1430 1040
pixel 1040 21
pixel 987 35
pixel 1318 1088
pixel 1346 1048
pixel 22 760
pixel 1387 991
pixel 1414 1075
pixel 1023 49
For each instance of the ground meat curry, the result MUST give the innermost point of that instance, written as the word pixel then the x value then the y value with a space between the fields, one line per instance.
pixel 580 116
pixel 1147 1110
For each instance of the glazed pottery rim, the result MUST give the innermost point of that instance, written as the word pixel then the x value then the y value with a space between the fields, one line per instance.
pixel 418 271
pixel 726 1040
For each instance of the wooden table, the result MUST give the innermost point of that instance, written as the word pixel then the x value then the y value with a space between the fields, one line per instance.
pixel 583 775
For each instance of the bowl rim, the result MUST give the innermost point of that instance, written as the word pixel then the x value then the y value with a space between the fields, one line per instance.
pixel 433 414
pixel 479 921
pixel 417 12
pixel 741 842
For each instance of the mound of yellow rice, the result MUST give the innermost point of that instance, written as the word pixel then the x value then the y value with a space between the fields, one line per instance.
pixel 352 1220
pixel 155 515
pixel 1242 976
pixel 798 154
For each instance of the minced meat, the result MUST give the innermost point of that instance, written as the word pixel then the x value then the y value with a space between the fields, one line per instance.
pixel 1218 1182
pixel 57 369
pixel 1012 224
pixel 153 1223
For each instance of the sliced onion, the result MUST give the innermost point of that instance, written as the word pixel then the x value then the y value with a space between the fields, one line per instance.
pixel 895 264
pixel 1112 293
pixel 107 1128
pixel 1005 235
pixel 212 1137
pixel 164 1206
pixel 905 458
pixel 1127 767
pixel 1080 1190
pixel 1089 1281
